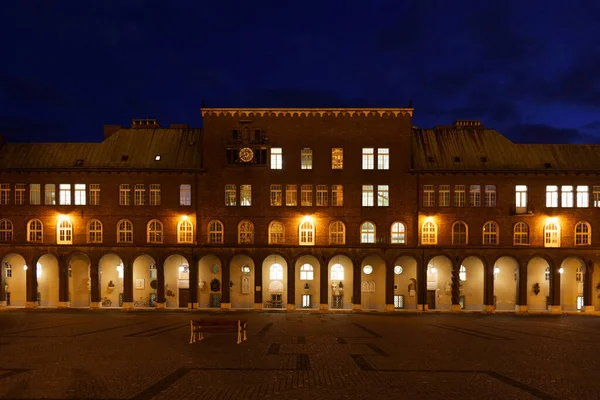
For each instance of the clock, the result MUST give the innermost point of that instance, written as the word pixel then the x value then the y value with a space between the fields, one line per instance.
pixel 246 154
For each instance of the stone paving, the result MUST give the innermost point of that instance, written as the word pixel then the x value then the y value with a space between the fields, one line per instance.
pixel 75 354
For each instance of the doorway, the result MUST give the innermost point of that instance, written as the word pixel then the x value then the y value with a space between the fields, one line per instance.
pixel 431 299
pixel 184 297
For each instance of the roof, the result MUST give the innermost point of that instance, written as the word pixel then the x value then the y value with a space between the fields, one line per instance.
pixel 472 149
pixel 304 112
pixel 178 149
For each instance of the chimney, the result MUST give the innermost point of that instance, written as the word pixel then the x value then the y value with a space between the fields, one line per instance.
pixel 145 123
pixel 110 130
pixel 464 123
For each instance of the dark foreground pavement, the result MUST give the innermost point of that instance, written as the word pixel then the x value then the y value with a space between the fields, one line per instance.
pixel 145 355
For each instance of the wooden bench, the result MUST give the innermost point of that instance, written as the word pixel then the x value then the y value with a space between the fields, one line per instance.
pixel 217 325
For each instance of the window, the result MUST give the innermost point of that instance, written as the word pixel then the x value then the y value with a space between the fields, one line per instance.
pixel 276 272
pixel 306 157
pixel 459 233
pixel 155 231
pixel 583 197
pixel 552 235
pixel 64 190
pixel 367 195
pixel 337 158
pixel 94 194
pixel 475 196
pixel 94 231
pixel 8 271
pixel 6 230
pixel 307 272
pixel 276 233
pixel 322 195
pixel 462 273
pixel 547 274
pixel 489 199
pixel 429 233
pixel 185 195
pixel 383 158
pixel 276 195
pixel 521 199
pixel 337 272
pixel 490 233
pixel 276 158
pixel 20 193
pixel 245 232
pixel 124 194
pixel 245 195
pixel 428 196
pixel 596 196
pixel 80 194
pixel 368 158
pixel 306 195
pixel 307 233
pixel 383 195
pixel 521 234
pixel 551 196
pixel 65 232
pixel 155 194
pixel 185 232
pixel 367 232
pixel 566 196
pixel 230 195
pixel 398 233
pixel 459 195
pixel 291 195
pixel 444 199
pixel 124 231
pixel 582 234
pixel 337 233
pixel 337 195
pixel 35 197
pixel 139 194
pixel 579 274
pixel 34 231
pixel 215 232
pixel 4 193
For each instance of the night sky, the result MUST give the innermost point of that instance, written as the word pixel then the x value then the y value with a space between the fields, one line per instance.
pixel 530 69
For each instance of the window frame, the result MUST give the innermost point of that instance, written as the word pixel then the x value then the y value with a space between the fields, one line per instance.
pixel 456 234
pixel 383 158
pixel 185 194
pixel 124 194
pixel 306 158
pixel 38 232
pixel 20 191
pixel 185 232
pixel 246 195
pixel 94 194
pixel 216 232
pixel 93 232
pixel 429 233
pixel 124 231
pixel 276 236
pixel 490 233
pixel 306 233
pixel 334 233
pixel 552 236
pixel 368 158
pixel 35 194
pixel 245 236
pixel 6 230
pixel 291 195
pixel 337 158
pixel 337 195
pixel 230 195
pixel 523 235
pixel 64 232
pixel 368 196
pixel 368 235
pixel 398 236
pixel 276 158
pixel 155 194
pixel 322 193
pixel 579 236
pixel 64 194
pixel 276 195
pixel 154 232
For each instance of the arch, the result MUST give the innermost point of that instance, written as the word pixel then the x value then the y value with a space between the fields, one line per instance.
pixel 15 279
pixel 429 233
pixel 521 234
pixel 185 232
pixel 64 232
pixel 216 232
pixel 405 282
pixel 367 232
pixel 490 233
pixel 245 232
pixel 47 277
pixel 460 233
pixel 552 234
pixel 471 273
pixel 306 232
pixel 506 283
pixel 373 282
pixel 274 281
pixel 538 283
pixel 176 267
pixel 35 231
pixel 438 274
pixel 242 270
pixel 337 233
pixel 583 233
pixel 6 230
pixel 398 232
pixel 308 282
pixel 145 273
pixel 154 231
pixel 276 231
pixel 124 231
pixel 111 270
pixel 94 231
pixel 80 284
pixel 571 283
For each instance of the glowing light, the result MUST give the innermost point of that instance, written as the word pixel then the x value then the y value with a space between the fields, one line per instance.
pixel 25 267
pixel 120 270
pixel 428 219
pixel 184 217
pixel 62 217
pixel 307 218
pixel 552 220
pixel 561 270
pixel 433 270
pixel 39 270
pixel 496 270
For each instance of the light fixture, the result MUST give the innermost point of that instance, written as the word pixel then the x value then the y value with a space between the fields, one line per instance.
pixel 25 267
pixel 428 219
pixel 184 217
pixel 157 158
pixel 496 270
pixel 62 217
pixel 433 270
pixel 307 218
pixel 552 220
pixel 561 270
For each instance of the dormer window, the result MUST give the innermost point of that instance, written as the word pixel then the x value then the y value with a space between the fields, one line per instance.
pixel 456 159
pixel 79 162
pixel 430 159
pixel 157 158
pixel 124 157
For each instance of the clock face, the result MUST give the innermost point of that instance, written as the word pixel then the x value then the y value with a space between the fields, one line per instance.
pixel 246 154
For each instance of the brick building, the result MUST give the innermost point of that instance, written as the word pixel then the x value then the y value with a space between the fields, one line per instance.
pixel 300 208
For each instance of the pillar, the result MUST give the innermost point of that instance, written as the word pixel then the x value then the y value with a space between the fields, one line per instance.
pixel 127 284
pixel 522 289
pixel 324 285
pixel 161 301
pixel 389 286
pixel 193 282
pixel 63 282
pixel 455 286
pixel 588 287
pixel 258 290
pixel 2 285
pixel 225 289
pixel 291 287
pixel 488 287
pixel 31 283
pixel 422 285
pixel 356 281
pixel 554 290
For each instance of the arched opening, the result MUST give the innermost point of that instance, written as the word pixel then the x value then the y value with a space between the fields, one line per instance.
pixel 372 283
pixel 340 282
pixel 15 281
pixel 506 272
pixel 145 281
pixel 538 284
pixel 241 272
pixel 405 283
pixel 274 276
pixel 177 282
pixel 308 282
pixel 79 280
pixel 47 281
pixel 471 284
pixel 439 283
pixel 111 270
pixel 571 284
pixel 210 282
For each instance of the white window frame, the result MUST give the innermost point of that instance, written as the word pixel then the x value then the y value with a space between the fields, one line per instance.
pixel 521 199
pixel 276 198
pixel 276 232
pixel 216 232
pixel 35 194
pixel 94 194
pixel 6 230
pixel 306 158
pixel 245 232
pixel 276 158
pixel 367 196
pixel 35 234
pixel 383 195
pixel 429 233
pixel 490 233
pixel 462 273
pixel 185 194
pixel 566 196
pixel 306 195
pixel 551 196
pixel 322 195
pixel 444 196
pixel 124 194
pixel 155 194
pixel 185 232
pixel 20 189
pixel 154 232
pixel 124 231
pixel 475 196
pixel 246 195
pixel 139 194
pixel 337 195
pixel 368 158
pixel 552 234
pixel 306 233
pixel 80 193
pixel 307 272
pixel 398 233
pixel 583 234
pixel 291 195
pixel 521 234
pixel 489 196
pixel 230 195
pixel 583 196
pixel 64 232
pixel 459 195
pixel 94 231
pixel 276 272
pixel 596 196
pixel 428 196
pixel 64 194
pixel 4 194
pixel 368 231
pixel 337 233
pixel 337 158
pixel 383 158
pixel 458 233
pixel 337 272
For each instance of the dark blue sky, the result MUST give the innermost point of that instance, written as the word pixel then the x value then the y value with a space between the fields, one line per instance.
pixel 530 69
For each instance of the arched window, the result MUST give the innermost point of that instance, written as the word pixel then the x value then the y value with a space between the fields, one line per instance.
pixel 583 234
pixel 459 233
pixel 94 231
pixel 337 233
pixel 185 232
pixel 154 231
pixel 6 230
pixel 245 232
pixel 276 272
pixel 521 234
pixel 490 233
pixel 276 233
pixel 64 234
pixel 307 273
pixel 429 233
pixel 552 235
pixel 337 272
pixel 462 273
pixel 367 232
pixel 215 232
pixel 307 233
pixel 34 231
pixel 124 231
pixel 398 233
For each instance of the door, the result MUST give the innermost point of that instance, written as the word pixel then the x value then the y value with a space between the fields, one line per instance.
pixel 184 297
pixel 431 299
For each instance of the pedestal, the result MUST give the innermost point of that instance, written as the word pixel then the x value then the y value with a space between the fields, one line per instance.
pixel 225 306
pixel 30 304
pixel 554 309
pixel 128 305
pixel 455 307
pixel 521 308
pixel 422 307
pixel 589 309
pixel 356 307
pixel 161 306
pixel 94 305
pixel 323 307
pixel 489 308
pixel 64 304
pixel 258 306
pixel 389 307
pixel 291 307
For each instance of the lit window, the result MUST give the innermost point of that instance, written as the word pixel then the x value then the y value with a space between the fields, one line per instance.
pixel 35 194
pixel 596 196
pixel 291 195
pixel 475 196
pixel 276 272
pixel 368 269
pixel 444 198
pixel 521 234
pixel 583 196
pixel 94 194
pixel 230 195
pixel 459 233
pixel 337 233
pixel 276 195
pixel 157 158
pixel 155 194
pixel 245 195
pixel 306 195
pixel 4 193
pixel 579 274
pixel 276 158
pixel 34 231
pixel 65 232
pixel 155 231
pixel 552 235
pixel 124 194
pixel 383 195
pixel 367 232
pixel 490 233
pixel 489 199
pixel 462 273
pixel 337 158
pixel 337 195
pixel 64 194
pixel 547 274
pixel 6 230
pixel 139 194
pixel 306 157
pixel 185 232
pixel 337 272
pixel 124 231
pixel 94 231
pixel 398 270
pixel 459 195
pixel 521 199
pixel 80 194
pixel 566 196
pixel 307 233
pixel 398 233
pixel 20 193
pixel 322 195
pixel 428 196
pixel 276 233
pixel 245 232
pixel 368 158
pixel 383 158
pixel 582 234
pixel 215 232
pixel 307 272
pixel 185 195
pixel 429 233
pixel 551 196
pixel 367 195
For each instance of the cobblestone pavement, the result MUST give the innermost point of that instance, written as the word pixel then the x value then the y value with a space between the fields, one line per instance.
pixel 67 354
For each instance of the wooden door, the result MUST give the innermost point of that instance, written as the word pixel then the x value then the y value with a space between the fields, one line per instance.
pixel 431 299
pixel 184 297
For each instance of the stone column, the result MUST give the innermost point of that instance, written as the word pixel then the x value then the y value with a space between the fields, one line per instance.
pixel 31 283
pixel 2 285
pixel 422 285
pixel 389 286
pixel 225 289
pixel 63 282
pixel 488 287
pixel 95 296
pixel 127 285
pixel 554 289
pixel 588 287
pixel 193 282
pixel 258 294
pixel 455 286
pixel 522 289
pixel 291 287
pixel 161 301
pixel 324 285
pixel 356 280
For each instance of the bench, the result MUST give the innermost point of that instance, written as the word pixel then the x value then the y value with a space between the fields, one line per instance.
pixel 217 325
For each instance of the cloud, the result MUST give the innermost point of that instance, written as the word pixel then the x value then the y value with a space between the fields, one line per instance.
pixel 540 134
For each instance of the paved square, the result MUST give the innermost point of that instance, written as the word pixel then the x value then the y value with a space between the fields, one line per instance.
pixel 68 354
